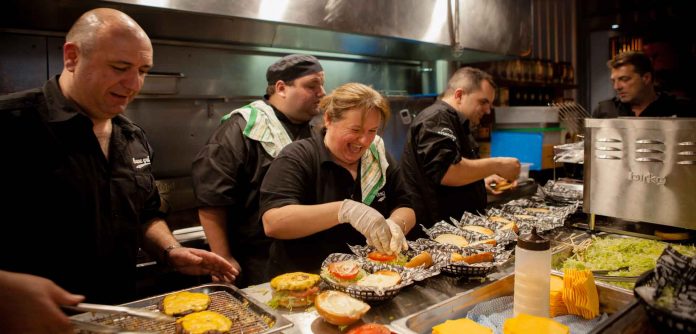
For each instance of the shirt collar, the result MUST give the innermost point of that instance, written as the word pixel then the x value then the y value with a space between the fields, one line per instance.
pixel 324 153
pixel 60 109
pixel 454 113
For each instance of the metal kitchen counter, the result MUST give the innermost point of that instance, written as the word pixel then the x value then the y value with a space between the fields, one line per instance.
pixel 410 300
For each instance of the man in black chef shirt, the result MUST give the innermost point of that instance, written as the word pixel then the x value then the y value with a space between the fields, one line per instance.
pixel 228 170
pixel 78 192
pixel 632 78
pixel 441 164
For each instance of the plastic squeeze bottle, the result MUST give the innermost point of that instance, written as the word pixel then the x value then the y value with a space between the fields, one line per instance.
pixel 532 275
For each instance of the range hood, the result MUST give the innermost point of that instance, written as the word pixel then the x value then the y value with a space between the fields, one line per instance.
pixel 460 30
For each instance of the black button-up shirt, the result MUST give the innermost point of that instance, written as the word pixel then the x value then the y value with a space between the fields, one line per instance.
pixel 70 214
pixel 304 173
pixel 664 106
pixel 438 138
pixel 227 172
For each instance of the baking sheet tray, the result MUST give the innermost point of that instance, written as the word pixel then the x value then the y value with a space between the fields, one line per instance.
pixel 611 300
pixel 248 316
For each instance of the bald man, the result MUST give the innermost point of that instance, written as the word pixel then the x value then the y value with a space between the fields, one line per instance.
pixel 81 194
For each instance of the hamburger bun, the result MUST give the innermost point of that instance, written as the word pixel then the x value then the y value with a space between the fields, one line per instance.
pixel 511 226
pixel 491 242
pixel 184 302
pixel 452 239
pixel 423 259
pixel 478 229
pixel 502 185
pixel 207 322
pixel 537 210
pixel 296 289
pixel 525 217
pixel 340 309
pixel 499 219
pixel 474 258
pixel 382 279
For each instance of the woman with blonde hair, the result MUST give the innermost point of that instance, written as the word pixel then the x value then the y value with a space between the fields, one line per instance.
pixel 341 174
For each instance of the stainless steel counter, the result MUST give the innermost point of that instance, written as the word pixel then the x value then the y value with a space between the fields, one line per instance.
pixel 410 300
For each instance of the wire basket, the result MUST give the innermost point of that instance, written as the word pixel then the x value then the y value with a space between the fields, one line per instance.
pixel 665 320
pixel 368 294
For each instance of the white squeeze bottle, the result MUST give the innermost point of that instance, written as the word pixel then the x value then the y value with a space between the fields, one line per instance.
pixel 532 275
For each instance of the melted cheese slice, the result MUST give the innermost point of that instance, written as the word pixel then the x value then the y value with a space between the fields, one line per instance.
pixel 185 302
pixel 202 322
pixel 463 325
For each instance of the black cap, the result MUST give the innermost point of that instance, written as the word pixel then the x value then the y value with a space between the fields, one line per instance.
pixel 533 241
pixel 292 67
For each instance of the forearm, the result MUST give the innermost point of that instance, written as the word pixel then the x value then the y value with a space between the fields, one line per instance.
pixel 404 217
pixel 469 171
pixel 158 237
pixel 297 221
pixel 214 222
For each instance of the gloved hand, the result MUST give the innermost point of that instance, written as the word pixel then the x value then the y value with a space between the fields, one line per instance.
pixel 368 221
pixel 398 240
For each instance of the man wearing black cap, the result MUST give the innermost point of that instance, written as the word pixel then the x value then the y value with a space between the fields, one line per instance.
pixel 229 169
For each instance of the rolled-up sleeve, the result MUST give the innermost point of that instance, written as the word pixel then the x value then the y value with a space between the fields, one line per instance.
pixel 218 165
pixel 287 181
pixel 436 149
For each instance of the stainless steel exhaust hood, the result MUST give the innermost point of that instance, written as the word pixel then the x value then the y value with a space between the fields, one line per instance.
pixel 461 30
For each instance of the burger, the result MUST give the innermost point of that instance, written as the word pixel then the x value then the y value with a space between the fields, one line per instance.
pixel 393 259
pixel 343 272
pixel 292 290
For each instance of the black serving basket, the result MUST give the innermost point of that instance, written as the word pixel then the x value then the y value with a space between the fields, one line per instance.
pixel 665 320
pixel 368 294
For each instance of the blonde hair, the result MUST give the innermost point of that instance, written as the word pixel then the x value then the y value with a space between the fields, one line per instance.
pixel 354 96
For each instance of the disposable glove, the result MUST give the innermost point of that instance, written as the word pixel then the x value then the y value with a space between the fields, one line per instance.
pixel 368 221
pixel 397 244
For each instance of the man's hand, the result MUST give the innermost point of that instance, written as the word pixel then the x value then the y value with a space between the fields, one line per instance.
pixel 193 261
pixel 497 190
pixel 508 168
pixel 30 304
pixel 368 221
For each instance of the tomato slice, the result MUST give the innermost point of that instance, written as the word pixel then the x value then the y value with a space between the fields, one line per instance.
pixel 344 269
pixel 370 329
pixel 381 257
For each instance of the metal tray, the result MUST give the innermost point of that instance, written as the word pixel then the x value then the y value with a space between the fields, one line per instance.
pixel 611 299
pixel 248 316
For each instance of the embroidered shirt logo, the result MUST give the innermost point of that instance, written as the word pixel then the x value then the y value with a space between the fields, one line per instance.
pixel 140 163
pixel 381 196
pixel 447 132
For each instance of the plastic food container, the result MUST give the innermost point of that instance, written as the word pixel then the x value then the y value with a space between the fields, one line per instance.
pixel 524 171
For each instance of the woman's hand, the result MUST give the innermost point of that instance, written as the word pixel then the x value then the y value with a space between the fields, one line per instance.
pixel 368 221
